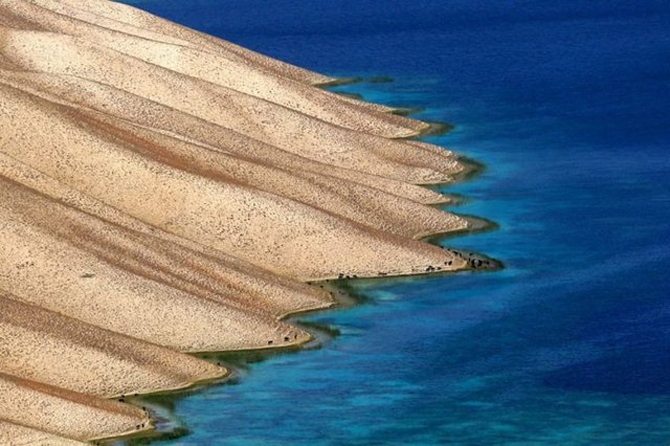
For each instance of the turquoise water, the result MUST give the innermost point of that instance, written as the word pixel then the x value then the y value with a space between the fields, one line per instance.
pixel 567 105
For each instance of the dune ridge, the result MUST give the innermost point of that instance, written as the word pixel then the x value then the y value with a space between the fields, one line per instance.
pixel 11 433
pixel 165 192
pixel 224 71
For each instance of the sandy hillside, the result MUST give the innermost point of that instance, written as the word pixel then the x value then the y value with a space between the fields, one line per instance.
pixel 65 413
pixel 11 433
pixel 229 72
pixel 164 192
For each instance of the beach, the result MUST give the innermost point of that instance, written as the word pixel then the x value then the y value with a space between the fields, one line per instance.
pixel 166 192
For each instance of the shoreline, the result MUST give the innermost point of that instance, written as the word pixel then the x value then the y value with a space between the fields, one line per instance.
pixel 343 296
pixel 185 225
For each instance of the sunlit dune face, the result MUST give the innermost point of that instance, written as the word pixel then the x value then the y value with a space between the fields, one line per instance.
pixel 163 191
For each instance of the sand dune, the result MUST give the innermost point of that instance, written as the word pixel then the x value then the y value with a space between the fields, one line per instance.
pixel 137 22
pixel 39 267
pixel 250 115
pixel 84 94
pixel 139 19
pixel 216 157
pixel 163 191
pixel 65 413
pixel 84 358
pixel 11 433
pixel 264 229
pixel 232 73
pixel 157 254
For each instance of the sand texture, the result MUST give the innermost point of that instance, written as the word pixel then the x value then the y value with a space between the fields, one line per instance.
pixel 85 358
pixel 11 433
pixel 165 192
pixel 65 413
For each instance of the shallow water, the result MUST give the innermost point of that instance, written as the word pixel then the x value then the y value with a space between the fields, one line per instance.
pixel 567 105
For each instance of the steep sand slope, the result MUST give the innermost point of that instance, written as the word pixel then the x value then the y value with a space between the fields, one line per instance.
pixel 360 203
pixel 146 250
pixel 84 358
pixel 39 267
pixel 162 190
pixel 66 413
pixel 11 433
pixel 142 20
pixel 227 72
pixel 268 230
pixel 119 104
pixel 266 121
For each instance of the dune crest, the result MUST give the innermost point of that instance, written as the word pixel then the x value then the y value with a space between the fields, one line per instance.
pixel 11 433
pixel 162 192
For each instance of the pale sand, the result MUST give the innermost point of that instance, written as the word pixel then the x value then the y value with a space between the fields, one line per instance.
pixel 40 267
pixel 139 19
pixel 265 229
pixel 213 158
pixel 238 75
pixel 160 255
pixel 85 358
pixel 266 121
pixel 62 412
pixel 162 190
pixel 75 91
pixel 11 433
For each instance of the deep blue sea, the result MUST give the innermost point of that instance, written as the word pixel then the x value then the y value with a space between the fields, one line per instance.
pixel 567 103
